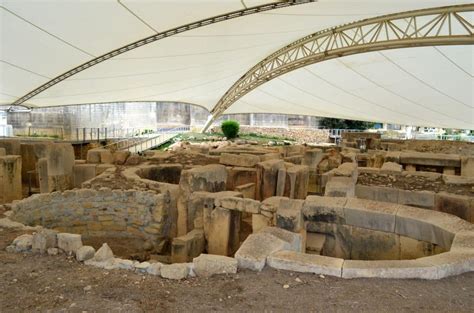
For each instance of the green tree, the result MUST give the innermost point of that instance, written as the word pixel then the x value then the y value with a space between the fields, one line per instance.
pixel 344 124
pixel 230 128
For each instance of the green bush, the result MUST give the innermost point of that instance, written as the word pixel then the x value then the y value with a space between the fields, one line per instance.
pixel 230 128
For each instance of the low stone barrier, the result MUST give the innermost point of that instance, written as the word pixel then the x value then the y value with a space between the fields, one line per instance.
pixel 461 206
pixel 103 212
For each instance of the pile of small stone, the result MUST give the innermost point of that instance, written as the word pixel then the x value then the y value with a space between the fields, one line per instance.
pixel 51 242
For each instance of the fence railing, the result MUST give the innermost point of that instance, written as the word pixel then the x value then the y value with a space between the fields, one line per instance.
pixel 147 141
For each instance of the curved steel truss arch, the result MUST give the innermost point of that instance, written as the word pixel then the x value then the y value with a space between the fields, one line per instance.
pixel 427 27
pixel 156 37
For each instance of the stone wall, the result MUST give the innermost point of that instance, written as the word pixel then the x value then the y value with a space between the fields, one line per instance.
pixel 104 212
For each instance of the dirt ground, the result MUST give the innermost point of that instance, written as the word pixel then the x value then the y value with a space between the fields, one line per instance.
pixel 32 283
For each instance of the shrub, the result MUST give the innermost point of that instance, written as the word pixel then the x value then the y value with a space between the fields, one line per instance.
pixel 230 128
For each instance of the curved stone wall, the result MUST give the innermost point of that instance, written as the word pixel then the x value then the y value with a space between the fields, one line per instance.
pixel 104 212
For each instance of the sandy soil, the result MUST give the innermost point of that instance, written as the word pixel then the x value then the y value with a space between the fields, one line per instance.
pixel 32 283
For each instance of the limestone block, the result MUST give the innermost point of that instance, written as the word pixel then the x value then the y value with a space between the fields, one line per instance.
pixel 370 214
pixel 324 209
pixel 259 222
pixel 373 245
pixel 389 269
pixel 125 264
pixel 348 169
pixel 175 271
pixel 422 199
pixel 85 253
pixel 413 249
pixel 103 254
pixel 100 168
pixel 10 178
pixel 295 159
pixel 99 155
pixel 368 170
pixel 43 240
pixel 11 146
pixel 289 215
pixel 315 243
pixel 23 243
pixel 3 152
pixel 467 166
pixel 430 159
pixel 365 192
pixel 426 225
pixel 69 243
pixel 247 190
pixel 293 182
pixel 312 158
pixel 142 267
pixel 451 263
pixel 253 252
pixel 267 174
pixel 207 265
pixel 211 178
pixel 449 171
pixel 393 156
pixel 42 169
pixel 340 187
pixel 461 206
pixel 237 176
pixel 60 166
pixel 154 268
pixel 243 160
pixel 391 168
pixel 458 180
pixel 120 157
pixel 83 172
pixel 305 263
pixel 410 168
pixel 223 234
pixel 430 176
pixel 185 248
pixel 386 194
pixel 463 242
pixel 295 240
pixel 239 204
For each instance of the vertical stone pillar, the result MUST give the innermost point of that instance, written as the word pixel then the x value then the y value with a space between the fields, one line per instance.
pixel 267 178
pixel 224 228
pixel 311 159
pixel 10 178
pixel 467 166
pixel 42 169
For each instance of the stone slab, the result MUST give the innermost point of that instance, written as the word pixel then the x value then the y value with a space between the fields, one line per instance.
pixel 207 265
pixel 402 269
pixel 370 214
pixel 305 263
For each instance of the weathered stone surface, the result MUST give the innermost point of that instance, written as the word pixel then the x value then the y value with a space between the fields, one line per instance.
pixel 461 206
pixel 463 242
pixel 370 214
pixel 259 222
pixel 103 254
pixel 324 209
pixel 85 253
pixel 421 199
pixel 467 166
pixel 207 265
pixel 10 178
pixel 305 263
pixel 120 157
pixel 69 243
pixel 451 263
pixel 142 267
pixel 82 173
pixel 99 155
pixel 154 269
pixel 295 240
pixel 43 240
pixel 315 242
pixel 253 252
pixel 125 264
pixel 289 215
pixel 340 187
pixel 239 204
pixel 23 243
pixel 211 178
pixel 458 180
pixel 413 249
pixel 187 247
pixel 391 168
pixel 243 160
pixel 433 159
pixel 247 190
pixel 267 174
pixel 175 271
pixel 388 269
pixel 223 231
pixel 293 182
pixel 366 244
pixel 237 176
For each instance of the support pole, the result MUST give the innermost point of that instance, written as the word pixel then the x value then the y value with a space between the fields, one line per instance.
pixel 208 123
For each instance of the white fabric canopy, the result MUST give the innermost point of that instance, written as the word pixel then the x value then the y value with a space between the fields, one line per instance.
pixel 431 86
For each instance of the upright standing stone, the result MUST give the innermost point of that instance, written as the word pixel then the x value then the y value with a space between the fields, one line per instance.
pixel 293 182
pixel 223 234
pixel 210 178
pixel 467 166
pixel 311 159
pixel 42 169
pixel 267 178
pixel 10 178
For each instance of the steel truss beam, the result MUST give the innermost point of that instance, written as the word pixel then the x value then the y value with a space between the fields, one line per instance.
pixel 427 27
pixel 159 36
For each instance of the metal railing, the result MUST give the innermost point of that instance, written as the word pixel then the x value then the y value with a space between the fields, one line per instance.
pixel 148 141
